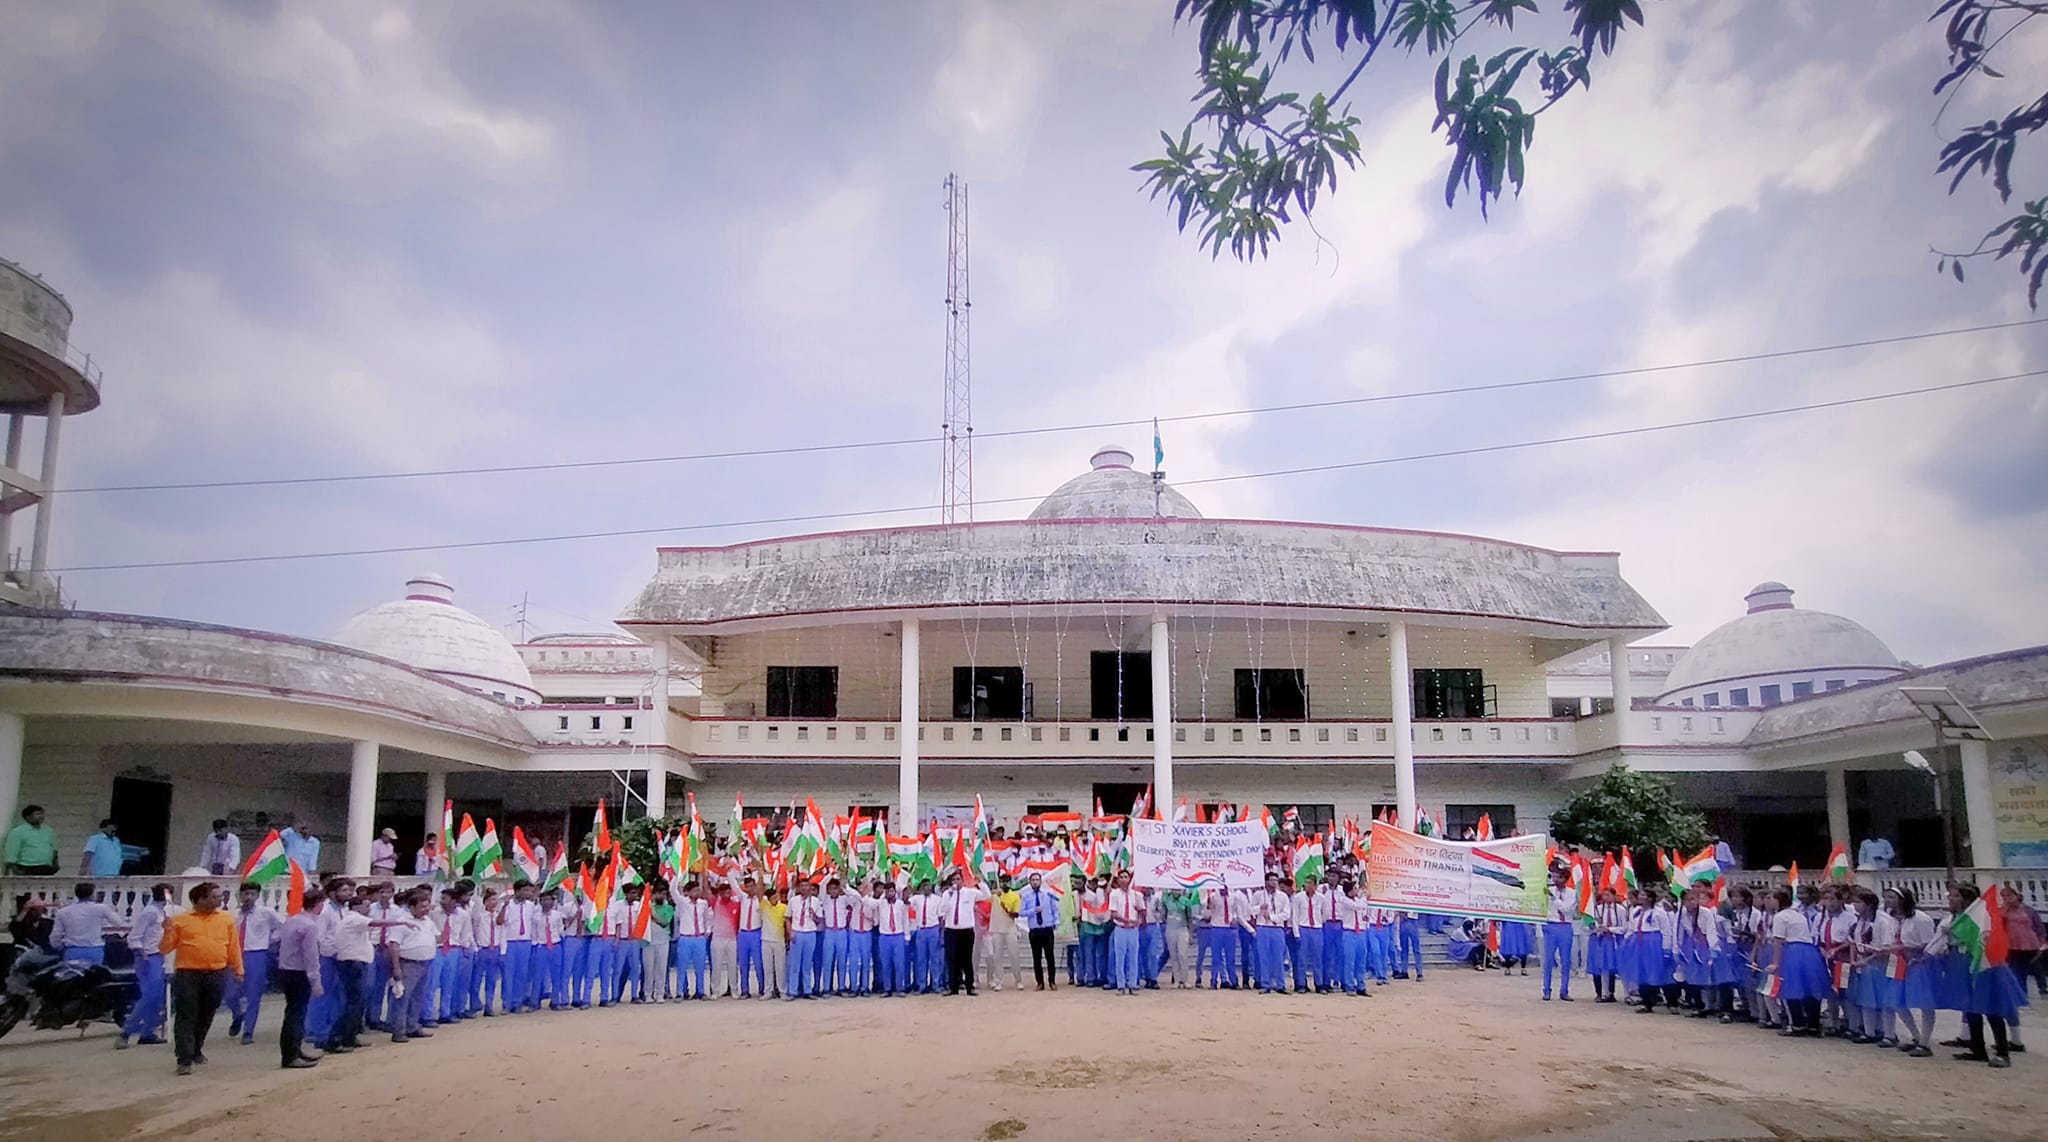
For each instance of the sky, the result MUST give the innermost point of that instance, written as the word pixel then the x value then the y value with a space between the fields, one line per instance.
pixel 321 239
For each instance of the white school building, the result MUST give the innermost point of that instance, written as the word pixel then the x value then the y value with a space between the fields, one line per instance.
pixel 1114 638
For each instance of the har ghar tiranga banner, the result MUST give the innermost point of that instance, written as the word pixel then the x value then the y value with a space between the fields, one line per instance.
pixel 1496 880
pixel 1182 854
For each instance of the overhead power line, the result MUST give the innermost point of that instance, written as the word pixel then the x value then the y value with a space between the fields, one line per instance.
pixel 818 517
pixel 1043 430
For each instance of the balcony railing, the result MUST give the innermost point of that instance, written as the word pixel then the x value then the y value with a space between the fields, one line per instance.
pixel 1492 738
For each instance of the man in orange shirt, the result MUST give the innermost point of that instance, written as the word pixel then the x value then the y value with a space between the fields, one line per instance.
pixel 206 950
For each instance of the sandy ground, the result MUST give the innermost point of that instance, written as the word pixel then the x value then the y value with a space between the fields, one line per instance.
pixel 1459 1056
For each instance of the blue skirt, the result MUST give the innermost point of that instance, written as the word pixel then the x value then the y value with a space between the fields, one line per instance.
pixel 1695 963
pixel 1803 974
pixel 1517 940
pixel 1652 963
pixel 1919 992
pixel 1866 986
pixel 1952 982
pixel 1729 966
pixel 1995 992
pixel 1603 954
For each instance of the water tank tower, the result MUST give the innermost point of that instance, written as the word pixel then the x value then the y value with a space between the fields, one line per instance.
pixel 41 375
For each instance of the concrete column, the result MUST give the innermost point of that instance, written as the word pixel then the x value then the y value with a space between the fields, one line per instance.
pixel 656 733
pixel 906 735
pixel 1404 722
pixel 39 555
pixel 1982 817
pixel 12 727
pixel 1838 809
pixel 437 799
pixel 1617 668
pixel 657 783
pixel 13 460
pixel 362 806
pixel 1162 716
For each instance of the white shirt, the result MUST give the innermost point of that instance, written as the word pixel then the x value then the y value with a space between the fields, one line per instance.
pixel 484 926
pixel 452 929
pixel 257 928
pixel 749 913
pixel 1610 919
pixel 924 910
pixel 554 925
pixel 330 928
pixel 806 913
pixel 618 918
pixel 693 917
pixel 520 921
pixel 1661 922
pixel 840 912
pixel 1354 913
pixel 1126 907
pixel 1273 909
pixel 1223 908
pixel 221 856
pixel 956 906
pixel 1304 907
pixel 352 938
pixel 83 924
pixel 1564 906
pixel 415 937
pixel 146 931
pixel 894 918
pixel 1916 931
pixel 1788 925
pixel 870 917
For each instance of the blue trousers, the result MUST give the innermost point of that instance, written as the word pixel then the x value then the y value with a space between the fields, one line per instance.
pixel 1124 946
pixel 628 965
pixel 551 975
pixel 146 1018
pixel 465 984
pixel 255 979
pixel 1308 958
pixel 1557 951
pixel 833 976
pixel 892 964
pixel 692 957
pixel 487 980
pixel 575 989
pixel 1151 952
pixel 325 1009
pixel 1218 946
pixel 1247 956
pixel 1379 950
pixel 748 957
pixel 1333 956
pixel 1272 957
pixel 96 954
pixel 380 982
pixel 802 971
pixel 1411 947
pixel 451 986
pixel 518 974
pixel 604 978
pixel 1352 951
pixel 1095 959
pixel 860 960
pixel 927 961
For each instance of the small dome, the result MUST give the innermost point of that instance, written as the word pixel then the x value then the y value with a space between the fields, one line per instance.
pixel 427 631
pixel 1776 639
pixel 1112 489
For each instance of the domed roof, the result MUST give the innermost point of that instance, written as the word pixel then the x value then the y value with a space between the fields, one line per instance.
pixel 1777 638
pixel 427 631
pixel 1112 489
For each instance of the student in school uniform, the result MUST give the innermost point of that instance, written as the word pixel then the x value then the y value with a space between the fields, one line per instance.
pixel 1651 941
pixel 1384 947
pixel 1916 998
pixel 145 1023
pixel 1745 927
pixel 747 923
pixel 892 943
pixel 579 950
pixel 1217 946
pixel 79 929
pixel 557 918
pixel 487 964
pixel 383 911
pixel 1560 922
pixel 1694 952
pixel 1126 917
pixel 325 1009
pixel 722 943
pixel 452 931
pixel 774 942
pixel 1865 974
pixel 1273 915
pixel 835 976
pixel 1330 978
pixel 465 977
pixel 1308 904
pixel 927 950
pixel 1517 944
pixel 1354 923
pixel 1831 934
pixel 354 948
pixel 1993 996
pixel 413 949
pixel 806 921
pixel 518 925
pixel 1094 921
pixel 256 928
pixel 860 935
pixel 1603 947
pixel 692 926
pixel 1797 970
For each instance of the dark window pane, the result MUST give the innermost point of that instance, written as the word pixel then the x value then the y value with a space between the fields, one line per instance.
pixel 1272 695
pixel 803 692
pixel 1119 686
pixel 983 693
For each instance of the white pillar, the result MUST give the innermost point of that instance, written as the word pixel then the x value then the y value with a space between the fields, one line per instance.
pixel 1162 717
pixel 437 800
pixel 1404 722
pixel 12 458
pixel 656 733
pixel 1838 809
pixel 362 806
pixel 1617 669
pixel 11 735
pixel 39 555
pixel 906 734
pixel 657 783
pixel 1982 817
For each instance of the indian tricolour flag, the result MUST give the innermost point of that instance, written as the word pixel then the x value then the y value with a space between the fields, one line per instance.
pixel 558 872
pixel 1628 868
pixel 1980 931
pixel 447 849
pixel 490 855
pixel 524 862
pixel 267 863
pixel 466 845
pixel 1839 869
pixel 1701 869
pixel 1308 859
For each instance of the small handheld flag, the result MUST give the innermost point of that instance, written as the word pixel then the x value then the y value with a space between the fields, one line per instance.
pixel 1838 867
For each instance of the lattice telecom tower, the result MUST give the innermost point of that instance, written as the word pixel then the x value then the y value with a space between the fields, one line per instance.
pixel 957 496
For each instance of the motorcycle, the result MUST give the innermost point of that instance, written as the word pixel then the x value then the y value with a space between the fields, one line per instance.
pixel 53 993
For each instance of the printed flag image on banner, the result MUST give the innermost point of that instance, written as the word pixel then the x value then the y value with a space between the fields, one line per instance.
pixel 1181 854
pixel 1493 880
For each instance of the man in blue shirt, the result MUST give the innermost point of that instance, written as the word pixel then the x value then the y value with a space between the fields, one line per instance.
pixel 102 852
pixel 1040 911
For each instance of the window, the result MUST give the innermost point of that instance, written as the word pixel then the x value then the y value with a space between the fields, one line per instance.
pixel 1458 818
pixel 543 656
pixel 1564 707
pixel 879 813
pixel 562 722
pixel 1769 695
pixel 1035 808
pixel 803 691
pixel 1451 694
pixel 1603 706
pixel 982 693
pixel 595 721
pixel 1313 818
pixel 626 723
pixel 1276 695
pixel 1739 696
pixel 1687 703
pixel 1119 686
pixel 1835 684
pixel 1711 700
pixel 1802 690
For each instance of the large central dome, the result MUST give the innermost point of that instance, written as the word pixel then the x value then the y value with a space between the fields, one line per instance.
pixel 1780 647
pixel 426 630
pixel 1112 489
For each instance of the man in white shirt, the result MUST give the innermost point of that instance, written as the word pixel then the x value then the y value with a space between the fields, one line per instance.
pixel 487 963
pixel 613 939
pixel 1126 916
pixel 835 975
pixel 384 854
pixel 692 949
pixel 221 855
pixel 1274 914
pixel 927 953
pixel 79 929
pixel 518 926
pixel 806 918
pixel 1223 914
pixel 325 1010
pixel 256 928
pixel 354 947
pixel 892 943
pixel 411 946
pixel 1559 920
pixel 145 938
pixel 453 934
pixel 956 912
pixel 753 975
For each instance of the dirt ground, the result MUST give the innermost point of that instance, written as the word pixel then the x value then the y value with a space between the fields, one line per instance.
pixel 1459 1056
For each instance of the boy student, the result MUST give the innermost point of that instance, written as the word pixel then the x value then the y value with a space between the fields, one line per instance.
pixel 747 941
pixel 298 977
pixel 413 949
pixel 256 928
pixel 892 943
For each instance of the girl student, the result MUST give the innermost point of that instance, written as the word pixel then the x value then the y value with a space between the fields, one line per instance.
pixel 1866 974
pixel 1831 932
pixel 1914 999
pixel 1798 973
pixel 1992 995
pixel 1653 936
pixel 1698 951
pixel 1745 925
pixel 1603 947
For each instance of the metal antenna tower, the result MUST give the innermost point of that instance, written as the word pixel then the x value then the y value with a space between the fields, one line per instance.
pixel 957 498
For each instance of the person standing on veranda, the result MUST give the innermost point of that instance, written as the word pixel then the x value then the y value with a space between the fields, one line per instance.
pixel 207 955
pixel 103 855
pixel 384 854
pixel 31 846
pixel 221 853
pixel 298 977
pixel 1039 909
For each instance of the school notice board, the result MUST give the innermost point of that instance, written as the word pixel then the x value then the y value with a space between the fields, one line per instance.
pixel 1181 854
pixel 1496 880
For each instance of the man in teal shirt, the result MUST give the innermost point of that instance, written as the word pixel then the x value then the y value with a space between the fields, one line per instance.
pixel 31 846
pixel 102 852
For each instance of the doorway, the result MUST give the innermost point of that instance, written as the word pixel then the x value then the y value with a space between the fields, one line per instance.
pixel 1117 797
pixel 988 693
pixel 141 810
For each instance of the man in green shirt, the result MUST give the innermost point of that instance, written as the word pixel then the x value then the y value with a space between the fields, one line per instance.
pixel 31 846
